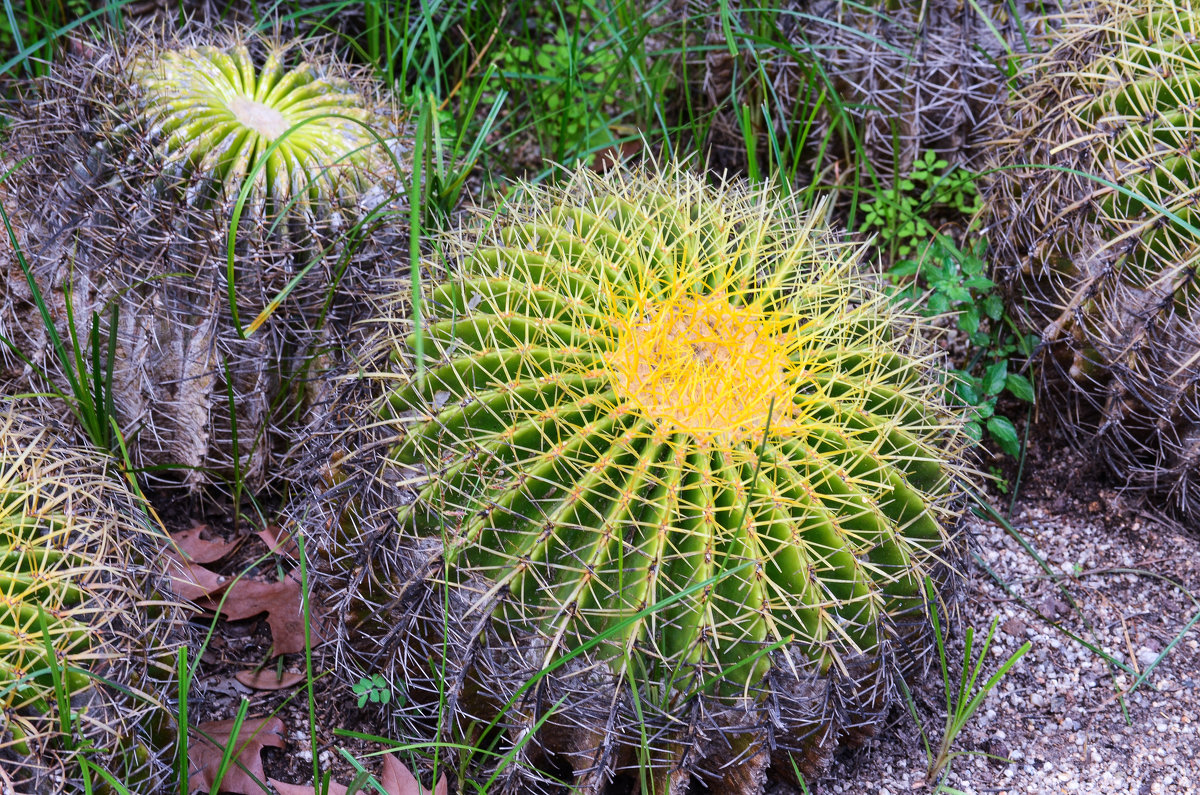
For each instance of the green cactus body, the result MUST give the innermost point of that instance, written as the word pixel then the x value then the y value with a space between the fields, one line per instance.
pixel 670 421
pixel 216 353
pixel 1107 275
pixel 79 573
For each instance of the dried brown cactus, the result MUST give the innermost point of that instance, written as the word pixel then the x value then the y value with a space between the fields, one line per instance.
pixel 1108 275
pixel 912 77
pixel 135 159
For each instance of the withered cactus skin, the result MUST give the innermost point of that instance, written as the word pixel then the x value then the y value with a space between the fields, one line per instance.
pixel 601 364
pixel 913 77
pixel 137 156
pixel 1109 280
pixel 76 545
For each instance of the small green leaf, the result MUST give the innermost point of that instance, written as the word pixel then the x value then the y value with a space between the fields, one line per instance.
pixel 968 321
pixel 906 267
pixel 1020 387
pixel 1005 434
pixel 959 294
pixel 974 430
pixel 969 392
pixel 995 377
pixel 993 305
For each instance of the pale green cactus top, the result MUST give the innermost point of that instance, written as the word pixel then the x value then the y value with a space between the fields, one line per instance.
pixel 220 113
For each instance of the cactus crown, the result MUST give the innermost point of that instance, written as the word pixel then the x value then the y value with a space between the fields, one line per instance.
pixel 220 113
pixel 675 418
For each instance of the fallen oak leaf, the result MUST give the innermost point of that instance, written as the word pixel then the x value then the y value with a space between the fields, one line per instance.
pixel 192 581
pixel 397 779
pixel 614 155
pixel 245 772
pixel 199 549
pixel 283 788
pixel 267 680
pixel 279 541
pixel 280 600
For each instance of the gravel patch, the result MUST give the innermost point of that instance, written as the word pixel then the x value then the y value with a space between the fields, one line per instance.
pixel 1058 716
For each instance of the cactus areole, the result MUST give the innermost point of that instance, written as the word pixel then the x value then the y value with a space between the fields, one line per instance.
pixel 667 426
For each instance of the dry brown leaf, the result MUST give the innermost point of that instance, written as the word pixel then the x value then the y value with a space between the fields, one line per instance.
pixel 267 680
pixel 199 549
pixel 279 541
pixel 395 780
pixel 284 788
pixel 192 581
pixel 204 755
pixel 280 600
pixel 399 780
pixel 612 156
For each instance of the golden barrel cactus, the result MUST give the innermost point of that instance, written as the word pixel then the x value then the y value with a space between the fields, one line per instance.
pixel 131 165
pixel 82 572
pixel 1099 242
pixel 676 475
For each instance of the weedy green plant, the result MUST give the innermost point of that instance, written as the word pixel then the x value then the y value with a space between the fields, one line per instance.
pixel 948 280
pixel 85 630
pixel 212 205
pixel 581 77
pixel 962 699
pixel 374 689
pixel 576 88
pixel 673 457
pixel 1098 242
pixel 903 216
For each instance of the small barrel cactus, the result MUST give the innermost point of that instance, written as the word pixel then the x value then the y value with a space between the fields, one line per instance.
pixel 137 161
pixel 219 115
pixel 907 77
pixel 1104 268
pixel 684 474
pixel 80 573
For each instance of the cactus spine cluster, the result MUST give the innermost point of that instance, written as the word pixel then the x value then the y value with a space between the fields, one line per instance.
pixel 80 571
pixel 1105 267
pixel 672 421
pixel 137 160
